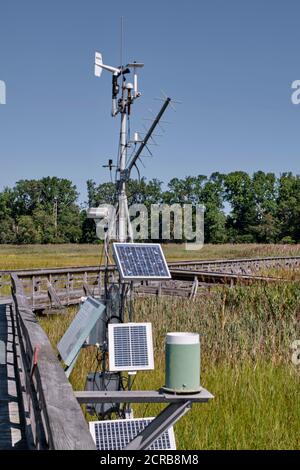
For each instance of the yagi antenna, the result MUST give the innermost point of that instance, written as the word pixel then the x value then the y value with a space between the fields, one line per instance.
pixel 124 95
pixel 165 97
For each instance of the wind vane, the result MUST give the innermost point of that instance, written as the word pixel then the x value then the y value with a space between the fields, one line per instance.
pixel 124 94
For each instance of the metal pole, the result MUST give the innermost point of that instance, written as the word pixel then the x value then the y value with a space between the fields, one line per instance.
pixel 122 232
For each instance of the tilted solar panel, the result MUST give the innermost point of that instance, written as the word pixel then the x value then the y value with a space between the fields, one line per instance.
pixel 130 346
pixel 116 434
pixel 141 261
pixel 80 328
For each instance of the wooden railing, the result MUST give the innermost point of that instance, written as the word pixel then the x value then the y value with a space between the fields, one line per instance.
pixel 57 288
pixel 54 419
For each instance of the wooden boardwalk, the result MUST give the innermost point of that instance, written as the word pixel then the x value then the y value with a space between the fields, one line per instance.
pixel 12 435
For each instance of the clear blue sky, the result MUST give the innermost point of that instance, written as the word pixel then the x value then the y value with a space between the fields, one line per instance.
pixel 231 63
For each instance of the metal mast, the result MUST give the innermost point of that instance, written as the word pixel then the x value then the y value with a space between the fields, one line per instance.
pixel 122 198
pixel 129 93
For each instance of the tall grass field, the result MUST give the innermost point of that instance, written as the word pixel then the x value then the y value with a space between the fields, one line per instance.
pixel 51 256
pixel 246 337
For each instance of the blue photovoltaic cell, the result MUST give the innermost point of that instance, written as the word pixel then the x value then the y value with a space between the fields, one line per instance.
pixel 116 434
pixel 131 346
pixel 141 260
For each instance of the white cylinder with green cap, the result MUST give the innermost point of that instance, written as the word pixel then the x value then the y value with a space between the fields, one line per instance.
pixel 182 363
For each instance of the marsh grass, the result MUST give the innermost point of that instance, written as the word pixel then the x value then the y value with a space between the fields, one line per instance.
pixel 246 333
pixel 256 406
pixel 46 256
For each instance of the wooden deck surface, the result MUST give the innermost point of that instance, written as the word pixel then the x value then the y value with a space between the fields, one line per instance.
pixel 11 428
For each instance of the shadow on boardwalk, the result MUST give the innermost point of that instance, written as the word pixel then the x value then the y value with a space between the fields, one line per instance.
pixel 11 429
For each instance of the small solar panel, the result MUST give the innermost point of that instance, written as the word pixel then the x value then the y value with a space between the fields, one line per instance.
pixel 116 434
pixel 80 328
pixel 130 346
pixel 141 261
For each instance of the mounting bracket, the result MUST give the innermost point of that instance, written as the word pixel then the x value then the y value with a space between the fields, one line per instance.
pixel 159 425
pixel 179 404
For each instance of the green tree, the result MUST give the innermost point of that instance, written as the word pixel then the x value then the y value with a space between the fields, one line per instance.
pixel 239 193
pixel 212 198
pixel 51 205
pixel 7 223
pixel 104 193
pixel 288 206
pixel 208 192
pixel 45 225
pixel 69 225
pixel 266 228
pixel 27 232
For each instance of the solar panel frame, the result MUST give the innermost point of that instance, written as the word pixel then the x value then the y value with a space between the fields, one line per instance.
pixel 116 434
pixel 130 347
pixel 80 328
pixel 138 261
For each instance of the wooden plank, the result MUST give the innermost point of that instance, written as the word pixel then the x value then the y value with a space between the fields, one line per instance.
pixel 5 300
pixel 12 434
pixel 53 295
pixel 86 287
pixel 65 426
pixel 24 405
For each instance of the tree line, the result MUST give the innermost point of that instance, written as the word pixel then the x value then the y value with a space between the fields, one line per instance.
pixel 239 208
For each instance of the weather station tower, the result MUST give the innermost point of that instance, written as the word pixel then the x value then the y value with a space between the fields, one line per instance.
pixel 105 320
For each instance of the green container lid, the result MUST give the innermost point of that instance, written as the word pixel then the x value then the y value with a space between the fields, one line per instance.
pixel 182 363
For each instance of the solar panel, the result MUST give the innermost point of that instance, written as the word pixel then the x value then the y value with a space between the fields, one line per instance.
pixel 141 261
pixel 80 328
pixel 130 346
pixel 98 333
pixel 116 434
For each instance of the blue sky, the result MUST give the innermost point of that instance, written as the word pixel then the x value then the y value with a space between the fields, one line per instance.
pixel 231 63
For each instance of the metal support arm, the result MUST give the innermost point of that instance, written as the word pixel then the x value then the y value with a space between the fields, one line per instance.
pixel 178 405
pixel 159 425
pixel 140 396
